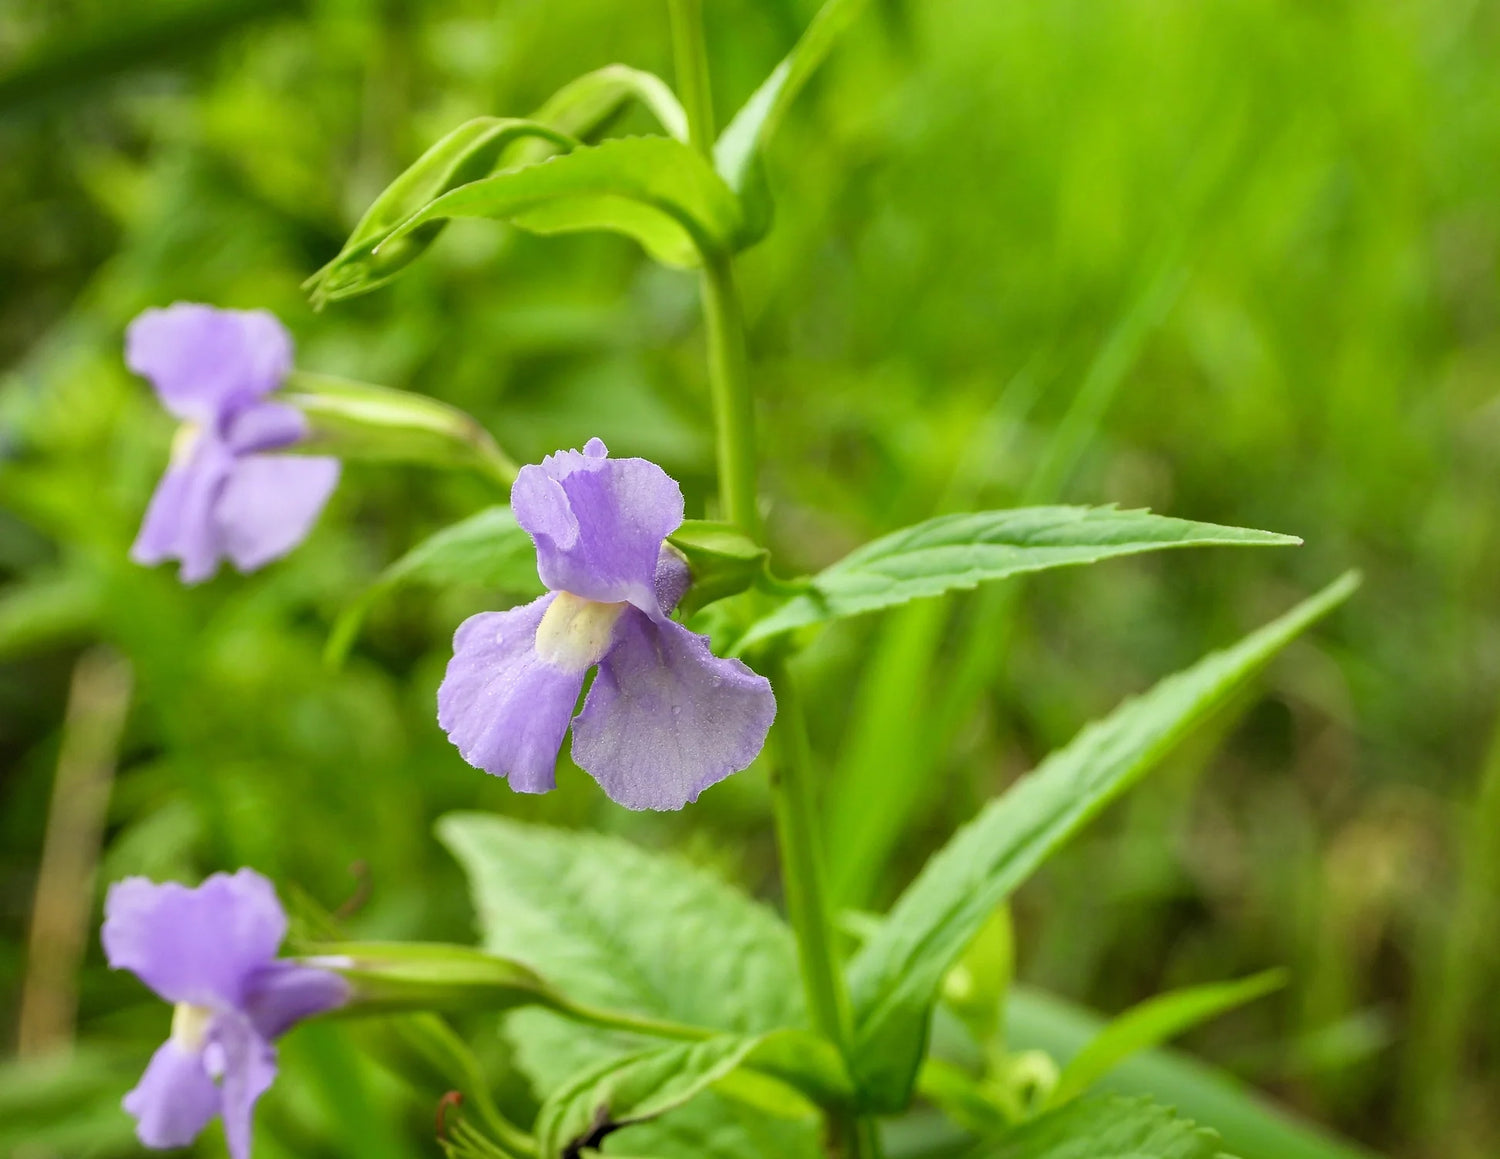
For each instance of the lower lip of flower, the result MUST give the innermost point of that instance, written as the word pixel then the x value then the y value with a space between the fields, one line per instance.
pixel 575 633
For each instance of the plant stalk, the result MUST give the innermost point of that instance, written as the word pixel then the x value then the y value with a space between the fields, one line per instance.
pixel 797 833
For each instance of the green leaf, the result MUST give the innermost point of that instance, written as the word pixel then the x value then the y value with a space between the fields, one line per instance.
pixel 357 420
pixel 630 1089
pixel 721 558
pixel 466 154
pixel 48 610
pixel 653 189
pixel 488 549
pixel 896 975
pixel 1251 1126
pixel 402 976
pixel 746 135
pixel 1152 1023
pixel 962 551
pixel 665 940
pixel 1106 1128
pixel 581 106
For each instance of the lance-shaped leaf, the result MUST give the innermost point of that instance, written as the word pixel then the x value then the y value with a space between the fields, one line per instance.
pixel 1106 1128
pixel 357 420
pixel 634 1088
pixel 466 154
pixel 963 551
pixel 895 977
pixel 1152 1023
pixel 653 189
pixel 743 139
pixel 488 549
pixel 582 106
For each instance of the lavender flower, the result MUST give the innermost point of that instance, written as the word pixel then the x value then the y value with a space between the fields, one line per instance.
pixel 664 718
pixel 212 952
pixel 223 495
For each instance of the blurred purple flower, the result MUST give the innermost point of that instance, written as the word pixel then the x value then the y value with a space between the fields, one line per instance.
pixel 211 951
pixel 664 718
pixel 223 495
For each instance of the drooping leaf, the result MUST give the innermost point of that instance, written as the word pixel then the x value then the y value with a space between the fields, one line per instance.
pixel 582 105
pixel 1108 1127
pixel 358 420
pixel 666 940
pixel 488 549
pixel 895 976
pixel 962 551
pixel 1154 1022
pixel 746 135
pixel 653 189
pixel 466 154
pixel 1251 1126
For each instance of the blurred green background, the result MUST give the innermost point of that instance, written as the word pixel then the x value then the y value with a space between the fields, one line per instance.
pixel 1237 260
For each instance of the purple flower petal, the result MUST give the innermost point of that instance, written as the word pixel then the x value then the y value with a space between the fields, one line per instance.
pixel 284 993
pixel 174 1100
pixel 598 523
pixel 673 578
pixel 505 708
pixel 194 945
pixel 665 718
pixel 204 361
pixel 247 1065
pixel 180 522
pixel 270 503
pixel 266 426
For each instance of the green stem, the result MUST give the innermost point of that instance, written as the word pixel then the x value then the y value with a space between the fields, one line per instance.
pixel 632 1023
pixel 802 870
pixel 691 59
pixel 723 320
pixel 734 410
pixel 804 881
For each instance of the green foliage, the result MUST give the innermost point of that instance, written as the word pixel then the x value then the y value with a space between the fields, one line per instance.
pixel 664 941
pixel 487 549
pixel 1251 1126
pixel 583 105
pixel 370 257
pixel 895 976
pixel 743 141
pixel 953 552
pixel 632 1089
pixel 1107 1128
pixel 1291 207
pixel 721 559
pixel 1153 1022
